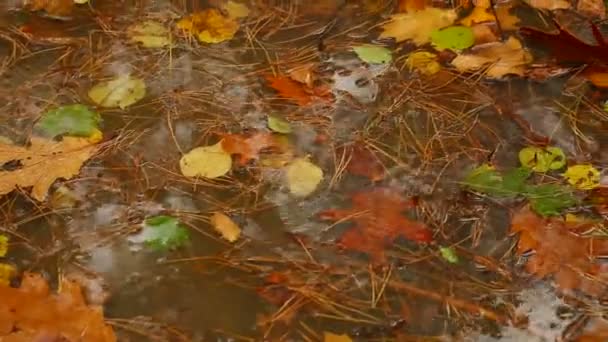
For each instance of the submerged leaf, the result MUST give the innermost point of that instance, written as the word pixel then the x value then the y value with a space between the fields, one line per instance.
pixel 3 245
pixel 303 177
pixel 206 161
pixel 121 91
pixel 480 14
pixel 235 9
pixel 449 254
pixel 209 26
pixel 373 54
pixel 73 120
pixel 279 125
pixel 499 59
pixel 331 337
pixel 550 199
pixel 225 226
pixel 7 272
pixel 542 159
pixel 454 38
pixel 417 26
pixel 162 233
pixel 249 146
pixel 423 62
pixel 584 177
pixel 296 91
pixel 150 34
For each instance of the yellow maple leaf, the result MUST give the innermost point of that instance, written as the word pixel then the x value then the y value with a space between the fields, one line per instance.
pixel 479 14
pixel 43 162
pixel 209 26
pixel 417 26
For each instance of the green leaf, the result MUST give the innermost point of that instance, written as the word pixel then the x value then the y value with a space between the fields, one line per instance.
pixel 164 232
pixel 514 181
pixel 453 38
pixel 550 199
pixel 542 159
pixel 449 254
pixel 74 120
pixel 485 179
pixel 373 54
pixel 278 125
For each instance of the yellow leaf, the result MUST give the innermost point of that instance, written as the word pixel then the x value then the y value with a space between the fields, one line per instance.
pixel 330 337
pixel 42 163
pixel 499 58
pixel 121 91
pixel 508 21
pixel 150 34
pixel 7 272
pixel 3 245
pixel 209 26
pixel 206 161
pixel 549 4
pixel 584 176
pixel 479 14
pixel 235 9
pixel 417 26
pixel 225 226
pixel 423 62
pixel 303 177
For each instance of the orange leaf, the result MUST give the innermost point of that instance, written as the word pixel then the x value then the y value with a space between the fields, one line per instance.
pixel 52 7
pixel 249 147
pixel 295 91
pixel 303 74
pixel 364 162
pixel 411 5
pixel 597 76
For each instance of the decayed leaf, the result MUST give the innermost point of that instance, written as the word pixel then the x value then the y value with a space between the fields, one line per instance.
pixel 150 34
pixel 500 59
pixel 225 226
pixel 584 177
pixel 373 54
pixel 423 62
pixel 249 146
pixel 592 8
pixel 296 91
pixel 561 251
pixel 480 14
pixel 454 38
pixel 74 120
pixel 303 74
pixel 379 219
pixel 121 91
pixel 483 34
pixel 209 26
pixel 417 26
pixel 43 162
pixel 542 159
pixel 331 337
pixel 206 161
pixel 363 162
pixel 32 313
pixel 59 8
pixel 303 177
pixel 549 4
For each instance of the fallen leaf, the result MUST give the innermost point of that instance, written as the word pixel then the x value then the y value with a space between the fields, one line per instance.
pixel 59 8
pixel 479 14
pixel 597 76
pixel 363 162
pixel 417 26
pixel 235 9
pixel 303 74
pixel 161 233
pixel 560 251
pixel 73 120
pixel 549 4
pixel 303 177
pixel 295 91
pixel 373 54
pixel 486 179
pixel 508 21
pixel 449 254
pixel 379 220
pixel 550 199
pixel 43 162
pixel 3 245
pixel 455 38
pixel 331 337
pixel 279 125
pixel 150 34
pixel 499 59
pixel 207 161
pixel 32 311
pixel 7 273
pixel 424 62
pixel 542 159
pixel 411 5
pixel 592 8
pixel 483 34
pixel 121 91
pixel 249 146
pixel 584 177
pixel 209 26
pixel 63 198
pixel 225 226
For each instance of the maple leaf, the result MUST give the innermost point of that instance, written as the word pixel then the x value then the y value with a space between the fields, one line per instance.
pixel 379 220
pixel 417 26
pixel 42 163
pixel 363 162
pixel 501 59
pixel 561 251
pixel 296 91
pixel 249 147
pixel 31 311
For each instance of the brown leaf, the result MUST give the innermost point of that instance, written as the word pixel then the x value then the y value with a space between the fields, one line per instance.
pixel 297 92
pixel 508 21
pixel 500 59
pixel 379 220
pixel 60 8
pixel 592 8
pixel 411 5
pixel 363 162
pixel 42 163
pixel 31 311
pixel 303 74
pixel 549 4
pixel 561 251
pixel 248 147
pixel 483 33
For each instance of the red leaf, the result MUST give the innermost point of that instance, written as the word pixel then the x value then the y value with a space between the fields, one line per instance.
pixel 379 220
pixel 249 147
pixel 296 91
pixel 363 162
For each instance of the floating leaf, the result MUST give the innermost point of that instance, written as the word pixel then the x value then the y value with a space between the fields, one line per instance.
pixel 162 233
pixel 122 92
pixel 279 125
pixel 550 199
pixel 209 26
pixel 373 54
pixel 43 162
pixel 303 177
pixel 584 177
pixel 3 245
pixel 449 254
pixel 479 14
pixel 225 226
pixel 150 34
pixel 499 59
pixel 542 159
pixel 417 26
pixel 363 162
pixel 206 161
pixel 74 120
pixel 423 62
pixel 454 38
pixel 331 337
pixel 7 272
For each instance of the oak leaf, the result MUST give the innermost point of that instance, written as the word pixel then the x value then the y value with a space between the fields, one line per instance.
pixel 32 311
pixel 43 162
pixel 561 251
pixel 379 219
